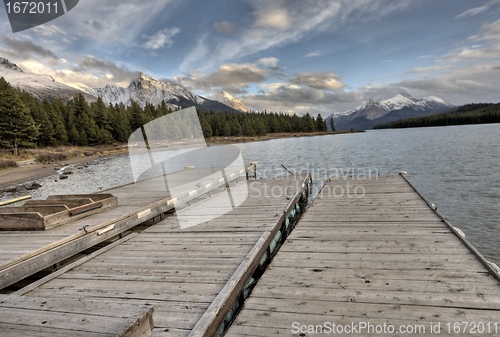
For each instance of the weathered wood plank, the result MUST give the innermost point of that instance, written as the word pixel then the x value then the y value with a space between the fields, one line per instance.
pixel 47 315
pixel 383 258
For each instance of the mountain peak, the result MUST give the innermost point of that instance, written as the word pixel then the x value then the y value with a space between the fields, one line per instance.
pixel 231 101
pixel 147 89
pixel 9 65
pixel 402 105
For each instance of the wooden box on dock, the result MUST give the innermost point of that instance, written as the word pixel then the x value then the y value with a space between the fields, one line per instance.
pixel 55 211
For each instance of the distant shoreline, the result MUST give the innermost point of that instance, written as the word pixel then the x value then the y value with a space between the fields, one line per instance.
pixel 32 171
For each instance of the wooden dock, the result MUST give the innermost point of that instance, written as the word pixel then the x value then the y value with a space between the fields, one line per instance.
pixel 24 253
pixel 194 278
pixel 385 258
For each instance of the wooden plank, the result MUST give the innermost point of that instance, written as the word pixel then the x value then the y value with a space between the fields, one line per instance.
pixel 382 258
pixel 215 314
pixel 75 315
pixel 59 272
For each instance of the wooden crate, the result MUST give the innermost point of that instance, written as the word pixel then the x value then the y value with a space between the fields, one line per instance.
pixel 55 211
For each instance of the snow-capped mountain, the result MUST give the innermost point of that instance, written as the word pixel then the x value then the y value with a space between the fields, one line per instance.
pixel 372 113
pixel 40 86
pixel 150 90
pixel 231 101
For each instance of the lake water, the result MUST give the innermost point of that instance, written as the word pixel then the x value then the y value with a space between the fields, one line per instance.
pixel 456 168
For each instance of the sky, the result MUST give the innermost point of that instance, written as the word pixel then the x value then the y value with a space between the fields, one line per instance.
pixel 293 56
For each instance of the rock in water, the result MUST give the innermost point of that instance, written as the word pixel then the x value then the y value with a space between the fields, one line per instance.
pixel 10 189
pixel 33 186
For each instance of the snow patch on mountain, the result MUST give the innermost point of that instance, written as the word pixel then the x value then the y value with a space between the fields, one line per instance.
pixel 232 101
pixel 365 115
pixel 146 90
pixel 39 86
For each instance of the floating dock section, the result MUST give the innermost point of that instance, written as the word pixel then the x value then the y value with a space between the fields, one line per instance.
pixel 195 279
pixel 356 264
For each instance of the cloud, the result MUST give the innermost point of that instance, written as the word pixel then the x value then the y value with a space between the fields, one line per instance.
pixel 275 25
pixel 160 39
pixel 274 18
pixel 225 27
pixel 427 69
pixel 488 32
pixel 294 99
pixel 96 25
pixel 474 11
pixel 89 64
pixel 473 83
pixel 26 49
pixel 314 54
pixel 48 30
pixel 471 53
pixel 387 61
pixel 269 61
pixel 233 78
pixel 85 77
pixel 318 80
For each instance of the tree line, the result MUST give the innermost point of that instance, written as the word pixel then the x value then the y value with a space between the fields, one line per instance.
pixel 479 113
pixel 28 122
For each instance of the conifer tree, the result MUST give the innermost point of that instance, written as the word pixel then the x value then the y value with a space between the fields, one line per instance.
pixel 46 134
pixel 137 118
pixel 320 123
pixel 16 123
pixel 332 124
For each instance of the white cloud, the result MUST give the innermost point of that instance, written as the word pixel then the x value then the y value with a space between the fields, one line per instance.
pixel 474 11
pixel 231 77
pixel 225 27
pixel 294 20
pixel 269 61
pixel 387 61
pixel 318 80
pixel 48 30
pixel 314 54
pixel 274 18
pixel 428 69
pixel 471 53
pixel 488 32
pixel 161 39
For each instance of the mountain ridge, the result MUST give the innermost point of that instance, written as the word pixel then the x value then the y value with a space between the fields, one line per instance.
pixel 39 86
pixel 372 113
pixel 147 89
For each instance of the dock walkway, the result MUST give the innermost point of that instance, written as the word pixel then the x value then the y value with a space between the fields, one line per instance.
pixel 194 278
pixel 24 253
pixel 385 258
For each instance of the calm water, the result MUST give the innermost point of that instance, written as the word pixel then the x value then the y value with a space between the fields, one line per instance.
pixel 456 168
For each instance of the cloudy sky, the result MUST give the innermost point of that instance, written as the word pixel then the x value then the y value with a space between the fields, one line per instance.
pixel 319 56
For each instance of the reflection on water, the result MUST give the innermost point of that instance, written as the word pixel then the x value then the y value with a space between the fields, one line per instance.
pixel 456 168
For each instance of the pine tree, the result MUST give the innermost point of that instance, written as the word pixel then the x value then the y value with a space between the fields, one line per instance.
pixel 260 129
pixel 46 134
pixel 332 124
pixel 205 127
pixel 119 123
pixel 104 137
pixel 320 123
pixel 73 135
pixel 236 129
pixel 248 130
pixel 16 123
pixel 102 115
pixel 137 118
pixel 55 116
